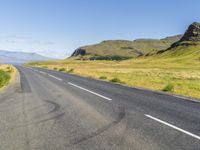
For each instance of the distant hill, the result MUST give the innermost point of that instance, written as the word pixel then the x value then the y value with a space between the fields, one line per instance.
pixel 20 57
pixel 123 49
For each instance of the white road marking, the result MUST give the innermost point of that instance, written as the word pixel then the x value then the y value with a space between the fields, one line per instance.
pixel 42 72
pixel 89 91
pixel 54 77
pixel 174 127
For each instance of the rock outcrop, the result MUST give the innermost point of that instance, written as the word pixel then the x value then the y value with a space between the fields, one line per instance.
pixel 191 36
pixel 78 52
pixel 192 33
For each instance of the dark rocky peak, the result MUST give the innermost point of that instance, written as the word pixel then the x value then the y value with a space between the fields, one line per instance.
pixel 190 37
pixel 192 33
pixel 79 52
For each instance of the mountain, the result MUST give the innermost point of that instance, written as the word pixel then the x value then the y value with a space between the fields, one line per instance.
pixel 185 49
pixel 192 33
pixel 123 49
pixel 20 57
pixel 191 37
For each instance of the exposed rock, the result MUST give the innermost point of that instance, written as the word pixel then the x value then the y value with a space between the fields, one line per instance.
pixel 191 35
pixel 79 52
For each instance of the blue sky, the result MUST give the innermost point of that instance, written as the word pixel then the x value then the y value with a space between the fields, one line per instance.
pixel 56 27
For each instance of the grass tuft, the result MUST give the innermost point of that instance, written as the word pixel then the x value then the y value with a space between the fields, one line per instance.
pixel 9 69
pixel 103 77
pixel 62 69
pixel 70 70
pixel 168 88
pixel 116 80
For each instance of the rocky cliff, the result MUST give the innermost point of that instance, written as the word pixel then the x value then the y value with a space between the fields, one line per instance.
pixel 191 36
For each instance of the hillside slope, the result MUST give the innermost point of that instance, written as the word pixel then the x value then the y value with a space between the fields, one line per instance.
pixel 124 49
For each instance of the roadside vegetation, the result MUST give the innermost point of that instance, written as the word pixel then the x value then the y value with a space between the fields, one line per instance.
pixel 7 74
pixel 175 71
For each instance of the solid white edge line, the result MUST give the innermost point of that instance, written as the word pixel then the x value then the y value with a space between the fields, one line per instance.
pixel 54 77
pixel 89 91
pixel 174 127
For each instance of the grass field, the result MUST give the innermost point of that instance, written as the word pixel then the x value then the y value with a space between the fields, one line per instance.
pixel 7 75
pixel 176 71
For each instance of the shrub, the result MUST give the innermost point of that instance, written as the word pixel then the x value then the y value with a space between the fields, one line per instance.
pixel 62 69
pixel 103 77
pixel 55 68
pixel 168 88
pixel 44 67
pixel 70 70
pixel 9 69
pixel 116 80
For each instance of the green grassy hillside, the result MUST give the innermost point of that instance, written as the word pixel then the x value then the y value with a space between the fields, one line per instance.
pixel 116 49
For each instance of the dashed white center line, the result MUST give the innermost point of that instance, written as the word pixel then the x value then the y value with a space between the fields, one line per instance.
pixel 174 127
pixel 89 91
pixel 55 77
pixel 42 72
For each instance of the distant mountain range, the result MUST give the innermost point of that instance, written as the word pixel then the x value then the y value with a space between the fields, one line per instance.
pixel 123 49
pixel 20 57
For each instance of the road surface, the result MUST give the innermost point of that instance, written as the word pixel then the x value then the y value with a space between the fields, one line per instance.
pixel 57 111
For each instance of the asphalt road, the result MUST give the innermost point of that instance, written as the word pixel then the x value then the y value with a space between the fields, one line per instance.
pixel 54 111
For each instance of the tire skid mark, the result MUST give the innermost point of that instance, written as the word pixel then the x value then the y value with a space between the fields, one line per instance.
pixel 56 106
pixel 54 110
pixel 36 122
pixel 120 116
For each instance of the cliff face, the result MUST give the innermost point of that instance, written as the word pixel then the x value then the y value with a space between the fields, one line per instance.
pixel 79 52
pixel 192 33
pixel 191 36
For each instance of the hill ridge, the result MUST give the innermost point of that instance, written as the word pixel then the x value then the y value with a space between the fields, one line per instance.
pixel 124 49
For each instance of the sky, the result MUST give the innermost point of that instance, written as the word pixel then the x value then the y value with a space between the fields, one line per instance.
pixel 55 28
